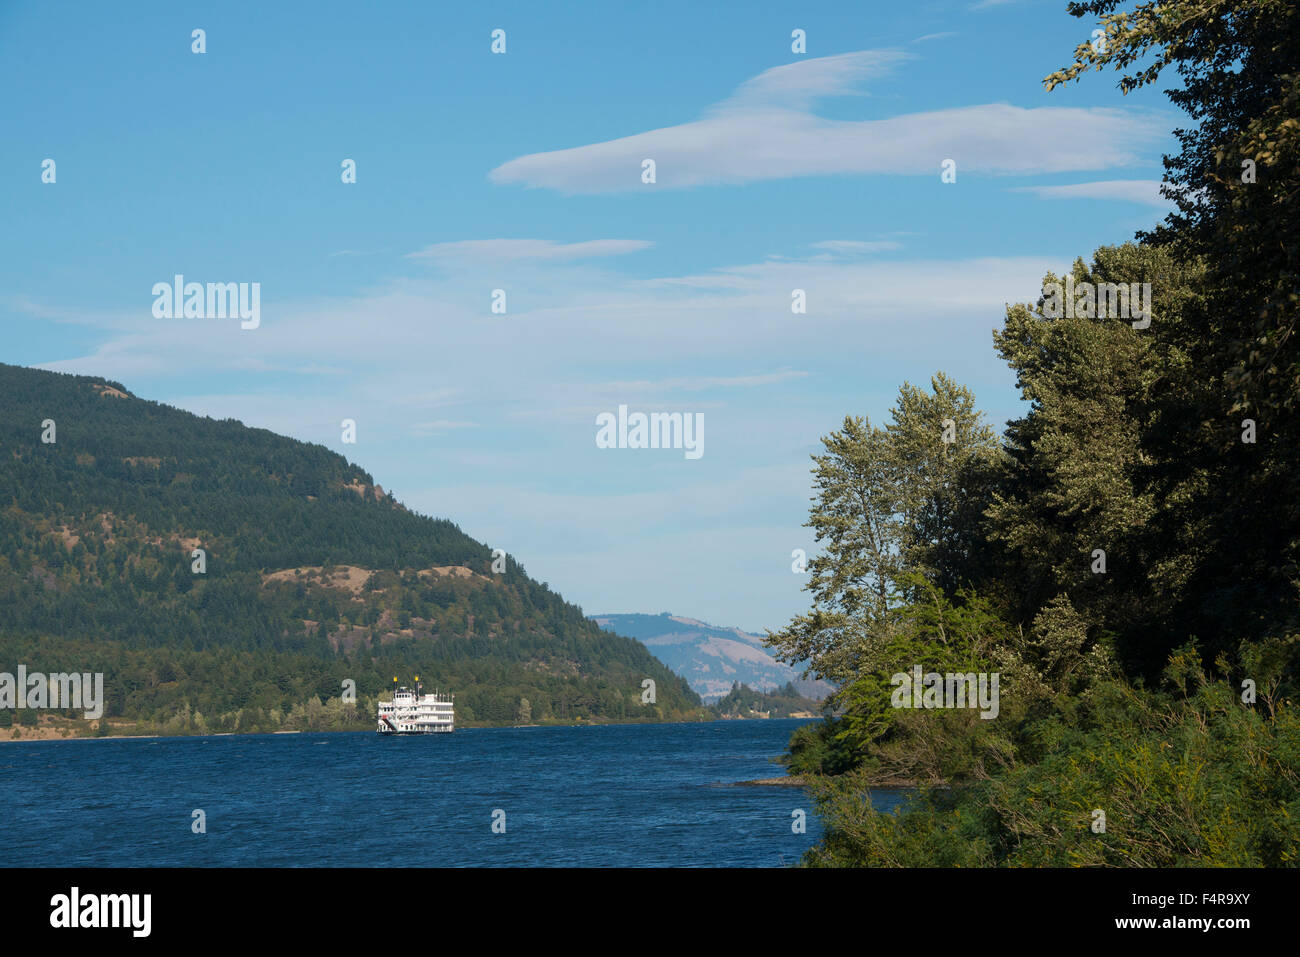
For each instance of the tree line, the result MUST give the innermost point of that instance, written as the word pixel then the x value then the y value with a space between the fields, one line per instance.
pixel 1125 555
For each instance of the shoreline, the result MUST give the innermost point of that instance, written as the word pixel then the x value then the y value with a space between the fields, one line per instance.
pixel 104 737
pixel 798 781
pixel 5 739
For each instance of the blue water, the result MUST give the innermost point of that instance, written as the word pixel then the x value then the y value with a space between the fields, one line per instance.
pixel 613 795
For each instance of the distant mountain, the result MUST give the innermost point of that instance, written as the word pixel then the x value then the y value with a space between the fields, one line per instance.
pixel 711 658
pixel 226 578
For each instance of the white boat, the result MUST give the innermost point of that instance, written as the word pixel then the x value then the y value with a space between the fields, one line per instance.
pixel 412 712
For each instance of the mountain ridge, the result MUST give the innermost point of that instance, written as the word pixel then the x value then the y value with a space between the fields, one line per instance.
pixel 712 657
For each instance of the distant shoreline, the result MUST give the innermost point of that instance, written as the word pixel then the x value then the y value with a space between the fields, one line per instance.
pixel 227 734
pixel 104 737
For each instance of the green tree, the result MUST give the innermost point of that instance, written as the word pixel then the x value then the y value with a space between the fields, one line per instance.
pixel 1235 181
pixel 1079 489
pixel 889 501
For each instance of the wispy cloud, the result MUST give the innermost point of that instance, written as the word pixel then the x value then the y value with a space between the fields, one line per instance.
pixel 490 419
pixel 540 250
pixel 857 246
pixel 796 86
pixel 563 317
pixel 1145 191
pixel 767 130
pixel 703 382
pixel 440 425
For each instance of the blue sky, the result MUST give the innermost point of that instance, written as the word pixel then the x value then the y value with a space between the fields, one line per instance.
pixel 522 171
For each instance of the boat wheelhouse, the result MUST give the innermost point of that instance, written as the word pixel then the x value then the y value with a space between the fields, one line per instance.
pixel 413 712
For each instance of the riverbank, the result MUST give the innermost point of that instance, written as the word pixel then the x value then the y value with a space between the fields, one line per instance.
pixel 59 728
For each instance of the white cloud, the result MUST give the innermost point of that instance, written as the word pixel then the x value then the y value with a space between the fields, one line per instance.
pixel 857 246
pixel 706 382
pixel 431 342
pixel 796 86
pixel 541 250
pixel 440 425
pixel 1145 191
pixel 490 419
pixel 767 130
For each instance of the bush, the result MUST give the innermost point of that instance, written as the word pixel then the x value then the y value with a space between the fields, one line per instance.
pixel 1186 776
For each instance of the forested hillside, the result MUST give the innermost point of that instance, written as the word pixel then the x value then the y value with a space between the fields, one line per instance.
pixel 310 575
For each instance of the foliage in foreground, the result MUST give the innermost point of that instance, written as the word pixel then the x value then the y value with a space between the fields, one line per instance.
pixel 1185 776
pixel 1144 514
